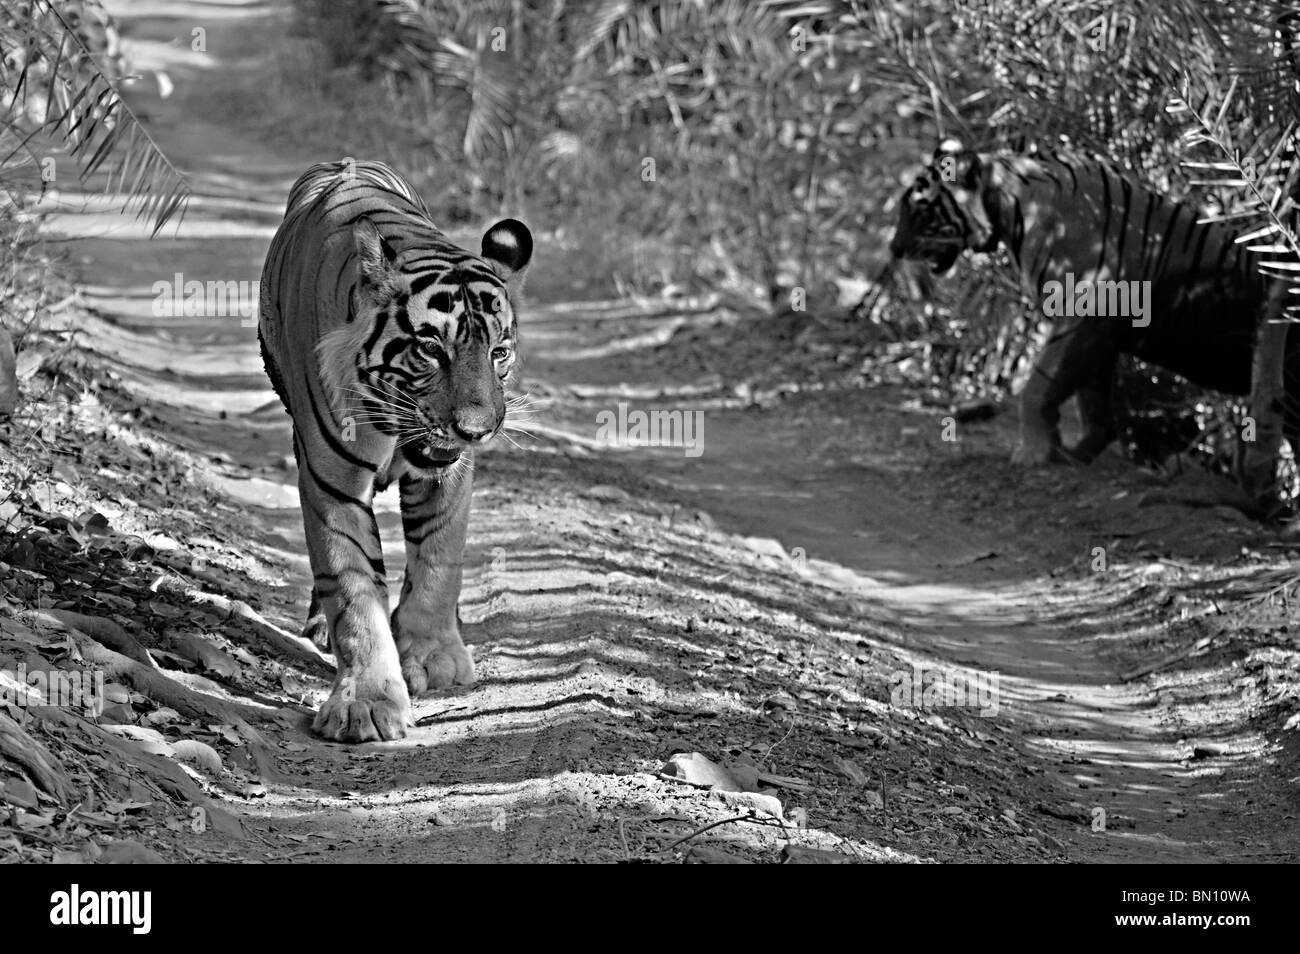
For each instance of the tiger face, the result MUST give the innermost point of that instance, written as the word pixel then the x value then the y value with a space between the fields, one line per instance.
pixel 431 348
pixel 942 213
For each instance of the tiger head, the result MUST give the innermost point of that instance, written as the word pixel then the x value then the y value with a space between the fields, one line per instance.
pixel 943 213
pixel 430 347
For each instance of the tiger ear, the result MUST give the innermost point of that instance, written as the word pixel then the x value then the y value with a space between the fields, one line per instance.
pixel 376 259
pixel 508 245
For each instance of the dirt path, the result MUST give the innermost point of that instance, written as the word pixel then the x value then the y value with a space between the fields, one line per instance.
pixel 625 605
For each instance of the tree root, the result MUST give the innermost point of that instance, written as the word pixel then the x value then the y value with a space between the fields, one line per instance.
pixel 302 650
pixel 44 769
pixel 154 683
pixel 107 632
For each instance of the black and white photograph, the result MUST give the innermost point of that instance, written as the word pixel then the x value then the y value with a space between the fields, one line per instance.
pixel 651 432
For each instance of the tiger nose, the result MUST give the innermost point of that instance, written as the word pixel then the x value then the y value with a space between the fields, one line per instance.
pixel 473 424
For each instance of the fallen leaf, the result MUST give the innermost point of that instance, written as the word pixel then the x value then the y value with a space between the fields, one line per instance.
pixel 127 852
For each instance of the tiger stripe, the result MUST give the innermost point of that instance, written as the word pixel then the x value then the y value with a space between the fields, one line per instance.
pixel 391 349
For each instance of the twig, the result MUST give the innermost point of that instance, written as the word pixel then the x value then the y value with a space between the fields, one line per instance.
pixel 752 819
pixel 772 748
pixel 1167 661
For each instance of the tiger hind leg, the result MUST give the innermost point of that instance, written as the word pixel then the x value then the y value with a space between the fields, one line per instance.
pixel 1097 416
pixel 426 623
pixel 317 627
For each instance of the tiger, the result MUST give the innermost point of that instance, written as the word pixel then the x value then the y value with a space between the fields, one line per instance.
pixel 392 349
pixel 1067 220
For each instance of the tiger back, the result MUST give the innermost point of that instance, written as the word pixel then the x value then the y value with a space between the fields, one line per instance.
pixel 391 348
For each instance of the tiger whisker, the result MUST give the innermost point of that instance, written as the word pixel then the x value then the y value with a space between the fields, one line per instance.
pixel 392 390
pixel 520 432
pixel 520 425
pixel 389 394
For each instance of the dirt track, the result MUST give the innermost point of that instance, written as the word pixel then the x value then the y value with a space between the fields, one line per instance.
pixel 630 604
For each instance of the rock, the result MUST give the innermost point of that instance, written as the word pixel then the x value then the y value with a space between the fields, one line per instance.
pixel 148 740
pixel 164 715
pixel 197 753
pixel 117 713
pixel 1208 750
pixel 766 546
pixel 705 855
pixel 706 520
pixel 608 492
pixel 762 804
pixel 796 855
pixel 87 854
pixel 197 649
pixel 223 822
pixel 694 769
pixel 850 771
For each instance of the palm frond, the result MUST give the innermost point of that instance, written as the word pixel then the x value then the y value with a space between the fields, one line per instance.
pixel 58 90
pixel 1256 165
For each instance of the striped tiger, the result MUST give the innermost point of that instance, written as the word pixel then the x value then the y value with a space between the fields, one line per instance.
pixel 1075 223
pixel 391 348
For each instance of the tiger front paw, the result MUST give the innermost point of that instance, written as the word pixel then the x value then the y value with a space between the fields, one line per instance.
pixel 365 708
pixel 436 664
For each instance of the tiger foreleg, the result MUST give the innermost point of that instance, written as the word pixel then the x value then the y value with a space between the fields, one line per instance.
pixel 368 701
pixel 1040 414
pixel 435 517
pixel 1076 356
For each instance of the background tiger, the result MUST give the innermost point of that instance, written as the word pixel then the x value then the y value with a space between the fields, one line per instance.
pixel 391 348
pixel 1062 216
